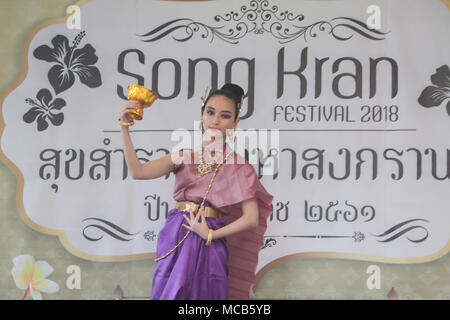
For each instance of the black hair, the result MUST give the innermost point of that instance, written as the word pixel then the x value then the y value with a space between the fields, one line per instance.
pixel 231 91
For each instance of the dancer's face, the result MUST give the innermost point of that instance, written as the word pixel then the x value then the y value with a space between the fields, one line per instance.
pixel 219 115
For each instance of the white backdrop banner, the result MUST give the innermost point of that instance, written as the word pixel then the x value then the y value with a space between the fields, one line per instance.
pixel 359 91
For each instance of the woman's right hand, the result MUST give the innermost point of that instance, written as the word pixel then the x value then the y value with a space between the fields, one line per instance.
pixel 129 108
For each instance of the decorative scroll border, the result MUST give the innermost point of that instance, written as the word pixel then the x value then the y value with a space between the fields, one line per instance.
pixel 260 17
pixel 391 234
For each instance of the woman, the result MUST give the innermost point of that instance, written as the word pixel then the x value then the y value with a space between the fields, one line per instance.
pixel 209 245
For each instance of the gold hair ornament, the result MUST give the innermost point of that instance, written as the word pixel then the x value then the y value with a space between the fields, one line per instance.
pixel 206 95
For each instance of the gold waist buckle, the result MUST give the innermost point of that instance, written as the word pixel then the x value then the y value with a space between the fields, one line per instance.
pixel 188 206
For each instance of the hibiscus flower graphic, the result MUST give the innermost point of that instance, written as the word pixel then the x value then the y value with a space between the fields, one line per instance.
pixel 70 61
pixel 433 96
pixel 44 109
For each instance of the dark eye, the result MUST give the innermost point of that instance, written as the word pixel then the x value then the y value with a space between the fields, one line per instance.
pixel 226 116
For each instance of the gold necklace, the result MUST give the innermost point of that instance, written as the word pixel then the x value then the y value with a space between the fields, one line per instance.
pixel 207 167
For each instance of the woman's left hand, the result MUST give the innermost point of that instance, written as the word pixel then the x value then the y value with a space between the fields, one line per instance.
pixel 196 225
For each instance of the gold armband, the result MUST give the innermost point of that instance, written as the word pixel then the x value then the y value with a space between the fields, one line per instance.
pixel 210 235
pixel 123 123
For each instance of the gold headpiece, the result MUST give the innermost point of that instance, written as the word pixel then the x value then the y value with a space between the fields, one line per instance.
pixel 241 103
pixel 205 96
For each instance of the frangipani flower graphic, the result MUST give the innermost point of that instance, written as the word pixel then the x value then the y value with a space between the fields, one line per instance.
pixel 44 109
pixel 31 276
pixel 433 96
pixel 70 61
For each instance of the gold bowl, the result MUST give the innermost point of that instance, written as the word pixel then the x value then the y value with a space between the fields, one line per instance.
pixel 144 96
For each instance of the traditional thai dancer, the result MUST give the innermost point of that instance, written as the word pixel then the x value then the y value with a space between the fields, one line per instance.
pixel 209 245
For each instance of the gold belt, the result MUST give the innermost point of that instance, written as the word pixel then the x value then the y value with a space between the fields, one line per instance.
pixel 188 206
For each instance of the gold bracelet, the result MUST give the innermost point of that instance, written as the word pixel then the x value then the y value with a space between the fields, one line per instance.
pixel 123 123
pixel 210 235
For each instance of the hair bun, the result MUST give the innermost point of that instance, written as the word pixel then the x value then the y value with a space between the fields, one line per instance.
pixel 234 89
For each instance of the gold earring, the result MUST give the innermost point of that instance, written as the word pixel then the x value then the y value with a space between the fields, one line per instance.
pixel 232 135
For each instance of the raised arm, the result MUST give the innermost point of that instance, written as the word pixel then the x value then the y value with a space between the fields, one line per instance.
pixel 150 170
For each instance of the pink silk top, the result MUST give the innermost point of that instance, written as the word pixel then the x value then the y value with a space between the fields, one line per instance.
pixel 233 184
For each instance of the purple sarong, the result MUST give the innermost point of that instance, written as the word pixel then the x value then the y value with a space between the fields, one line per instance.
pixel 193 271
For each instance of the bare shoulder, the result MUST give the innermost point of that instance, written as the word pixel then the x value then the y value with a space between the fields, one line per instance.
pixel 178 155
pixel 175 157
